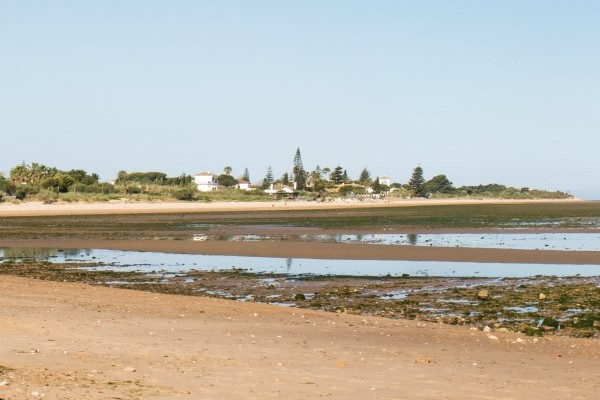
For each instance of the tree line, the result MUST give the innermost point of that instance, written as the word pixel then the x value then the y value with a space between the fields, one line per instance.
pixel 337 179
pixel 37 179
pixel 49 182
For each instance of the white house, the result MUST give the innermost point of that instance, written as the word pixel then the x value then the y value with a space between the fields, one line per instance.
pixel 244 185
pixel 385 180
pixel 279 189
pixel 206 181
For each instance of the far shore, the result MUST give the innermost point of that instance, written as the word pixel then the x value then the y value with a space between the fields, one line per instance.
pixel 132 207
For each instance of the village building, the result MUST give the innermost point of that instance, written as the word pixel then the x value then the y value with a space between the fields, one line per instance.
pixel 244 185
pixel 385 180
pixel 206 181
pixel 280 190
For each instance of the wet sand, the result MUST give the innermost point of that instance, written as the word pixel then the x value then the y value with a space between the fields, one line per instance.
pixel 344 251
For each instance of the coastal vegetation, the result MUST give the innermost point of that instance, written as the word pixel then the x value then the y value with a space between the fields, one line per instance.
pixel 39 182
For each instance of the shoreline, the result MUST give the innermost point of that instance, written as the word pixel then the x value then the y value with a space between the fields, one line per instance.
pixel 123 207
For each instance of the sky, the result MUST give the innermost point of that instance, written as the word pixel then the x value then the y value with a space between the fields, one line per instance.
pixel 482 91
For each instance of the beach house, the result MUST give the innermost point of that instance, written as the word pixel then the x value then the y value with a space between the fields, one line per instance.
pixel 244 185
pixel 206 181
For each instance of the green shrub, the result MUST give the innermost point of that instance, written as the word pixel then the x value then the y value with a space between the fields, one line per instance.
pixel 348 189
pixel 550 322
pixel 187 194
pixel 47 196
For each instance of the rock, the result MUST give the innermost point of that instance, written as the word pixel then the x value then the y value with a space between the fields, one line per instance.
pixel 129 369
pixel 492 337
pixel 487 329
pixel 422 360
pixel 483 294
pixel 541 297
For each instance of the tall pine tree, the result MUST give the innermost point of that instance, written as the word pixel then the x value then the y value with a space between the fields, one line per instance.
pixel 269 178
pixel 246 175
pixel 337 176
pixel 299 174
pixel 416 183
pixel 365 176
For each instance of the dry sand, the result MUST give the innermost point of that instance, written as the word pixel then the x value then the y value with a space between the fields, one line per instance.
pixel 122 207
pixel 72 341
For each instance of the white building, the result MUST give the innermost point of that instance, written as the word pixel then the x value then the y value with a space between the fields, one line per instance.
pixel 206 181
pixel 243 185
pixel 385 180
pixel 279 189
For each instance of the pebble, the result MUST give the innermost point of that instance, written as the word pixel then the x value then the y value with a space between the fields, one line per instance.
pixel 492 337
pixel 129 369
pixel 487 329
pixel 542 297
pixel 483 294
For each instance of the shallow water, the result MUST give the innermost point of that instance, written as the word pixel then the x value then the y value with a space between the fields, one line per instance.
pixel 166 263
pixel 524 241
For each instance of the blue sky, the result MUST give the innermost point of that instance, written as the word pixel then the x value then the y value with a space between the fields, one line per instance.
pixel 482 91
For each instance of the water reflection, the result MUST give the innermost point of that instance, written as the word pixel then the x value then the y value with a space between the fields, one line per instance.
pixel 412 239
pixel 522 241
pixel 181 263
pixel 41 253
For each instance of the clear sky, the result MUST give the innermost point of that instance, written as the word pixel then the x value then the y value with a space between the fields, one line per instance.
pixel 482 91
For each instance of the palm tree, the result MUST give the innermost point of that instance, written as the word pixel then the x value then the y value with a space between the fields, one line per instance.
pixel 20 174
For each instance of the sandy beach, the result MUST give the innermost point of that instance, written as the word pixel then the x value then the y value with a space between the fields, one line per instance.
pixel 122 207
pixel 65 340
pixel 71 341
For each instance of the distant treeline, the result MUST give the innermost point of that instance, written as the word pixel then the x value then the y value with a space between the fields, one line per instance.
pixel 49 183
pixel 154 178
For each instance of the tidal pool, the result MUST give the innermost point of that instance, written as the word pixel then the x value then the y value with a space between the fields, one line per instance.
pixel 152 262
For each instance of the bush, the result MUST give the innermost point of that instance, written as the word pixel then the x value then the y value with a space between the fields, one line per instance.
pixel 187 194
pixel 133 190
pixel 47 196
pixel 348 189
pixel 23 191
